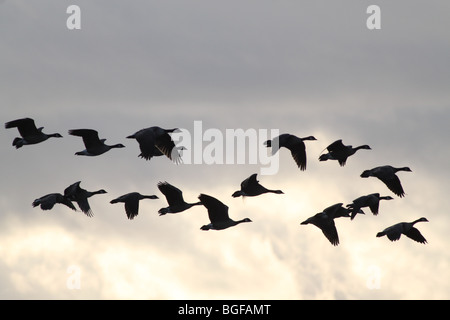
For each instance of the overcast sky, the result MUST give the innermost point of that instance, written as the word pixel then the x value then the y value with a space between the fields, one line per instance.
pixel 301 67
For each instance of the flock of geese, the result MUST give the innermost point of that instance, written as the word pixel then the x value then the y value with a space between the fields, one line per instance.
pixel 155 141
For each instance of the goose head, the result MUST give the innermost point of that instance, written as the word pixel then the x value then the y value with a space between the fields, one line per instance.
pixel 366 174
pixel 237 194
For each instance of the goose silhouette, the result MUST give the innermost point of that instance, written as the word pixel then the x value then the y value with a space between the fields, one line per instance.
pixel 250 187
pixel 340 152
pixel 94 145
pixel 294 144
pixel 75 193
pixel 395 231
pixel 131 202
pixel 218 214
pixel 387 174
pixel 29 132
pixel 155 141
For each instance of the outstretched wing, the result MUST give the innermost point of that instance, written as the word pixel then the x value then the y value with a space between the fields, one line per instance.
pixel 217 211
pixel 394 184
pixel 249 181
pixel 166 146
pixel 331 233
pixel 173 195
pixel 336 146
pixel 132 208
pixel 415 235
pixel 90 136
pixel 298 150
pixel 26 126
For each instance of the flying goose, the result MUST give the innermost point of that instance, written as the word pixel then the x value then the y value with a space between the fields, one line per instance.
pixel 294 144
pixel 371 200
pixel 388 176
pixel 340 152
pixel 407 228
pixel 48 201
pixel 174 197
pixel 131 201
pixel 325 221
pixel 94 145
pixel 218 214
pixel 75 193
pixel 250 187
pixel 30 134
pixel 154 141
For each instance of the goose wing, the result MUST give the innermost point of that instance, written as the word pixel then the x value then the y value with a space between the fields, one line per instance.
pixel 326 224
pixel 393 183
pixel 131 201
pixel 336 211
pixel 330 232
pixel 75 193
pixel 26 126
pixel 165 145
pixel 132 207
pixel 83 203
pixel 90 136
pixel 217 211
pixel 71 190
pixel 249 181
pixel 63 200
pixel 394 232
pixel 415 235
pixel 339 151
pixel 174 196
pixel 298 150
pixel 374 202
pixel 336 146
pixel 146 140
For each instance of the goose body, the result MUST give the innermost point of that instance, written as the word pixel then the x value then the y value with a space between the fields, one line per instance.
pixel 218 214
pixel 340 152
pixel 174 197
pixel 387 174
pixel 94 145
pixel 75 193
pixel 294 144
pixel 325 221
pixel 131 201
pixel 371 200
pixel 29 133
pixel 250 187
pixel 156 141
pixel 48 201
pixel 407 228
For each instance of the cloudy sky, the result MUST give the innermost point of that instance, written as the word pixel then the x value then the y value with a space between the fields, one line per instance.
pixel 301 67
